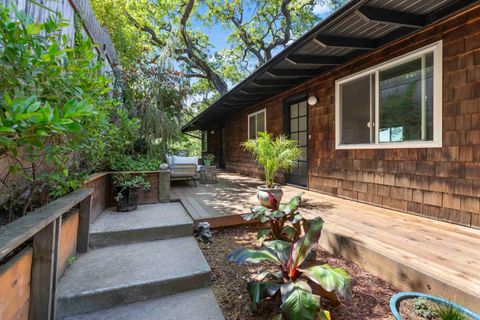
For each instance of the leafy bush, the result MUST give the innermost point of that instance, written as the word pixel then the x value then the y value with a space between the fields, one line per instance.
pixel 126 180
pixel 285 221
pixel 273 154
pixel 57 122
pixel 299 282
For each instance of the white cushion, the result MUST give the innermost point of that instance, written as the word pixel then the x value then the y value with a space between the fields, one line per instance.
pixel 185 160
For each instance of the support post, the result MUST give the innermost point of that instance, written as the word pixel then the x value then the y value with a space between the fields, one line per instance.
pixel 164 186
pixel 44 271
pixel 83 234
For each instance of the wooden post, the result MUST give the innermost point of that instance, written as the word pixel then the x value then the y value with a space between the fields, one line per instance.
pixel 83 233
pixel 44 271
pixel 164 186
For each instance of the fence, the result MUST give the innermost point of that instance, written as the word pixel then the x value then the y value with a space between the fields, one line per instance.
pixel 67 8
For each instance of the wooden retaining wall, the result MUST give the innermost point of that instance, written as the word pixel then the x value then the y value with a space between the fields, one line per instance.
pixel 34 252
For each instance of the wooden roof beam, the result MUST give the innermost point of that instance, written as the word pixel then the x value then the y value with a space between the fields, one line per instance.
pixel 399 18
pixel 295 73
pixel 274 82
pixel 345 42
pixel 314 59
pixel 264 90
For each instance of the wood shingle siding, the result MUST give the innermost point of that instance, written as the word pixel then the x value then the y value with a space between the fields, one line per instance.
pixel 439 183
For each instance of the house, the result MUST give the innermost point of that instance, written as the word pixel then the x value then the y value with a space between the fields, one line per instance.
pixel 383 98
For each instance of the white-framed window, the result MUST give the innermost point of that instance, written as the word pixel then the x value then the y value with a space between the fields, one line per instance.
pixel 397 104
pixel 257 122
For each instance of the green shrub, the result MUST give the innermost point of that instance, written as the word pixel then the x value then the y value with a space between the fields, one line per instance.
pixel 57 122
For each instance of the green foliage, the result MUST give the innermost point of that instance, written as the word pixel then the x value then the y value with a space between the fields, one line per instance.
pixel 273 154
pixel 57 122
pixel 209 157
pixel 296 277
pixel 127 180
pixel 423 308
pixel 449 312
pixel 137 163
pixel 284 220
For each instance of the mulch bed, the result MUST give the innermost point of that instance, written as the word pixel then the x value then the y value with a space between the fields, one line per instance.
pixel 369 300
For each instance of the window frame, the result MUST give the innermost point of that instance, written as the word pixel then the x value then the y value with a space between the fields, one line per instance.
pixel 205 141
pixel 254 114
pixel 437 49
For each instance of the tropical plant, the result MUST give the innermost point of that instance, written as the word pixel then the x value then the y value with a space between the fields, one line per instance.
pixel 273 154
pixel 284 220
pixel 300 283
pixel 126 181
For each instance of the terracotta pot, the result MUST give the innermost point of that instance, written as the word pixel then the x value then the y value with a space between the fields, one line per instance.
pixel 262 195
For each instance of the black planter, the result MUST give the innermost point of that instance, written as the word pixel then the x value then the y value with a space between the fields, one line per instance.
pixel 128 199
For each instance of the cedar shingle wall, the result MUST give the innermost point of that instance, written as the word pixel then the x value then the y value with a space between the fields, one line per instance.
pixel 441 183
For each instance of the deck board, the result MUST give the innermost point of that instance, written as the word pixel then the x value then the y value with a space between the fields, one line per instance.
pixel 420 253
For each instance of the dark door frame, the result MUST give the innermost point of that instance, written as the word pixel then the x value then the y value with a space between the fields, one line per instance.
pixel 302 96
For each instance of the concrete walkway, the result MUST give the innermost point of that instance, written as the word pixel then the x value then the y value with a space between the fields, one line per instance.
pixel 147 266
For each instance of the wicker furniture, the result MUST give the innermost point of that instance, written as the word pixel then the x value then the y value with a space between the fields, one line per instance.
pixel 183 172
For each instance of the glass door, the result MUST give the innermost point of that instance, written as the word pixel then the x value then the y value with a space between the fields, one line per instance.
pixel 297 126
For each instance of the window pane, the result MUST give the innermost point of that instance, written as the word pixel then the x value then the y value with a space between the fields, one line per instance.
pixel 252 129
pixel 302 124
pixel 302 168
pixel 302 108
pixel 406 101
pixel 261 122
pixel 355 111
pixel 304 153
pixel 294 136
pixel 294 111
pixel 294 125
pixel 302 139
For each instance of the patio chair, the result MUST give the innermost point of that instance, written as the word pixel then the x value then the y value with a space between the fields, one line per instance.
pixel 183 172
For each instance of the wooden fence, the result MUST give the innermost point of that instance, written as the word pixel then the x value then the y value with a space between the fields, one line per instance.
pixel 67 8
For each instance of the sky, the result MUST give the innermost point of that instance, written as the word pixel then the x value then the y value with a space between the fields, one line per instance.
pixel 218 34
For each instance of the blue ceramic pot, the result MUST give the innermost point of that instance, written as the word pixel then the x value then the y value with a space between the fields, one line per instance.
pixel 397 298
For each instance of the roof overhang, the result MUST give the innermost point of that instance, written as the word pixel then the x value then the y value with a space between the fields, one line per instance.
pixel 355 29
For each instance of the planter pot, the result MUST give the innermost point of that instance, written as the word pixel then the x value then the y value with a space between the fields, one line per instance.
pixel 262 195
pixel 129 199
pixel 207 162
pixel 397 299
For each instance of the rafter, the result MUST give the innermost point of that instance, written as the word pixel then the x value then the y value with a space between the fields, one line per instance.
pixel 296 73
pixel 274 82
pixel 345 42
pixel 399 18
pixel 314 59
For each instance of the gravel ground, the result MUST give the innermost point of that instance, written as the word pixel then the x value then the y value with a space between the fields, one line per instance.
pixel 369 301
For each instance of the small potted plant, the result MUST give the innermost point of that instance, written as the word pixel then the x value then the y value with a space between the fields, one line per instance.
pixel 208 159
pixel 273 155
pixel 126 190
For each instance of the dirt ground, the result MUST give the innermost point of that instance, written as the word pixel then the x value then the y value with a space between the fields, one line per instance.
pixel 369 300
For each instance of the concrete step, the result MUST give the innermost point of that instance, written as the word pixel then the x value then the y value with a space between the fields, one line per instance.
pixel 197 304
pixel 149 222
pixel 112 276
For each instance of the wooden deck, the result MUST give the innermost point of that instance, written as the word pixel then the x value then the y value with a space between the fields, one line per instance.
pixel 410 252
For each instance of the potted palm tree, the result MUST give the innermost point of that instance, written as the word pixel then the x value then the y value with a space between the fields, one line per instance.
pixel 273 154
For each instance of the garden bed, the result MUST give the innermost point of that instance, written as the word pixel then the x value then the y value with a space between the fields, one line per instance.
pixel 370 298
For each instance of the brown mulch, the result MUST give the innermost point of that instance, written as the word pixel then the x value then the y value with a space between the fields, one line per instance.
pixel 370 294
